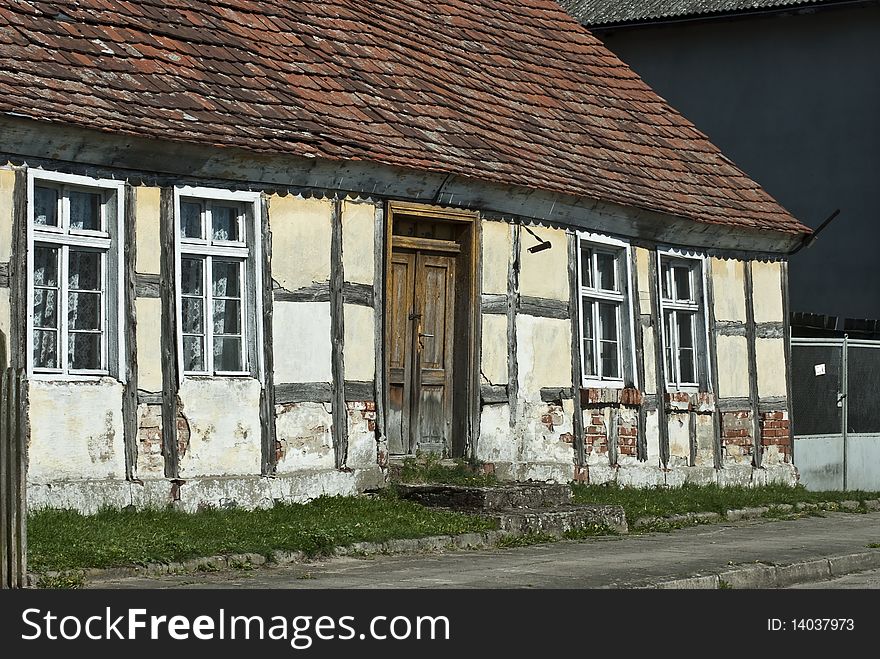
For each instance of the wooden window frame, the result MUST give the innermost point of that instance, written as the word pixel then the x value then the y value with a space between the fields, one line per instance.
pixel 247 252
pixel 106 241
pixel 694 306
pixel 622 299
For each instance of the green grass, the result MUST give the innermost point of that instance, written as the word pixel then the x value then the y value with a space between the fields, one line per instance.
pixel 429 469
pixel 665 501
pixel 67 540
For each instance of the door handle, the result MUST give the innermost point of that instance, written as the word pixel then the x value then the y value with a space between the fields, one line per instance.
pixel 426 336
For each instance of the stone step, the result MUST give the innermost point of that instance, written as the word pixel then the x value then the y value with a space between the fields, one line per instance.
pixel 557 521
pixel 496 497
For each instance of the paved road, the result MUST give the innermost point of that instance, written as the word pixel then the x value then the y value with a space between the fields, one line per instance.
pixel 620 562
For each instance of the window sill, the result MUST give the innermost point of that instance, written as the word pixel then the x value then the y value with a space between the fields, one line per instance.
pixel 71 377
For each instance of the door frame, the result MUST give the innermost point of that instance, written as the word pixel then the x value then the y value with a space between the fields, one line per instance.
pixel 466 389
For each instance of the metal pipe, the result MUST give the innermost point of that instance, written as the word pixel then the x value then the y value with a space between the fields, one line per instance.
pixel 844 376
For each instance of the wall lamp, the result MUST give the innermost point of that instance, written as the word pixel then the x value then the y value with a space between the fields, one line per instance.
pixel 542 244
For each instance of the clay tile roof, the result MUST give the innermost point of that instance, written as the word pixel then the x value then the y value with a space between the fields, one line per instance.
pixel 507 91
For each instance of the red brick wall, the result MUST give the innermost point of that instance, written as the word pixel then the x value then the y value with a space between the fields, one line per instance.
pixel 775 432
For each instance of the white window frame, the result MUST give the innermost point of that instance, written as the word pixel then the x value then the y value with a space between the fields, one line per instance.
pixel 696 306
pixel 108 241
pixel 248 252
pixel 622 251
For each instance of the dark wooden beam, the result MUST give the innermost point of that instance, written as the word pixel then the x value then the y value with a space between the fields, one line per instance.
pixel 786 332
pixel 314 292
pixel 268 455
pixel 18 274
pixel 576 346
pixel 146 285
pixel 379 321
pixel 717 450
pixel 128 291
pixel 169 334
pixel 662 422
pixel 337 338
pixel 303 392
pixel 493 393
pixel 557 394
pixel 360 294
pixel 751 335
pixel 512 295
pixel 543 307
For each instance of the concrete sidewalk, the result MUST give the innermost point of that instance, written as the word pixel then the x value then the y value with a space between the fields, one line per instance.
pixel 744 554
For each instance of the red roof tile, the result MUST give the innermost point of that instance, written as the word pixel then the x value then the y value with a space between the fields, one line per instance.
pixel 507 91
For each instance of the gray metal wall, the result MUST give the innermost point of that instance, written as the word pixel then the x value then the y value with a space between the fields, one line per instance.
pixel 794 101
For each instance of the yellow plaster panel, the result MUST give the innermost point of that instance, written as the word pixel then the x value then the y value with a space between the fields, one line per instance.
pixel 496 256
pixel 544 274
pixel 767 291
pixel 301 334
pixel 493 360
pixel 300 240
pixel 728 282
pixel 7 187
pixel 733 366
pixel 358 229
pixel 771 367
pixel 644 279
pixel 149 348
pixel 650 384
pixel 147 230
pixel 359 350
pixel 543 354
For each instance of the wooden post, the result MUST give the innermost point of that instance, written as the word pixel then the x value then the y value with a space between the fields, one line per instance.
pixel 268 460
pixel 713 361
pixel 337 335
pixel 751 337
pixel 576 347
pixel 128 290
pixel 662 422
pixel 169 333
pixel 13 485
pixel 5 480
pixel 512 303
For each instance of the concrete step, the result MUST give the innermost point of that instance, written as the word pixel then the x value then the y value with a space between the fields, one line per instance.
pixel 496 497
pixel 558 520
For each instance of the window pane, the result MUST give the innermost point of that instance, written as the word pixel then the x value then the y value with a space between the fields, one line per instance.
pixel 609 340
pixel 45 352
pixel 685 330
pixel 665 275
pixel 84 351
pixel 225 274
pixel 45 206
pixel 45 266
pixel 225 220
pixel 193 355
pixel 670 349
pixel 191 279
pixel 682 275
pixel 587 324
pixel 586 267
pixel 605 269
pixel 227 354
pixel 45 307
pixel 85 210
pixel 227 317
pixel 192 315
pixel 84 311
pixel 84 270
pixel 190 219
pixel 686 365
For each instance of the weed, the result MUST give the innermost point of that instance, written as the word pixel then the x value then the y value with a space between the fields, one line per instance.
pixel 62 580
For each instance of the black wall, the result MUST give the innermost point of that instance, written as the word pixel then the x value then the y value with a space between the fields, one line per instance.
pixel 794 100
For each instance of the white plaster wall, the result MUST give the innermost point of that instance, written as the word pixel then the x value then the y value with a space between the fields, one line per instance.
pixel 644 279
pixel 542 442
pixel 767 291
pixel 147 233
pixel 362 447
pixel 76 431
pixel 543 355
pixel 5 326
pixel 7 187
pixel 358 229
pixel 150 461
pixel 652 437
pixel 544 274
pixel 770 355
pixel 705 440
pixel 493 353
pixel 650 383
pixel 496 256
pixel 360 359
pixel 301 234
pixel 149 347
pixel 302 350
pixel 733 366
pixel 305 433
pixel 728 287
pixel 679 436
pixel 224 426
pixel 497 443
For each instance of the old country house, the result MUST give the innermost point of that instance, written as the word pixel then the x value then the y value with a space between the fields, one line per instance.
pixel 252 251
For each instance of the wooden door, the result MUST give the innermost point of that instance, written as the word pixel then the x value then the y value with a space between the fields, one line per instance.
pixel 421 303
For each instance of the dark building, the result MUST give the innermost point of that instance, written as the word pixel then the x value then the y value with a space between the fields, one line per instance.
pixel 790 92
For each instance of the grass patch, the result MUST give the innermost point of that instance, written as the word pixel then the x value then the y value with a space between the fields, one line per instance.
pixel 525 540
pixel 431 469
pixel 665 501
pixel 67 540
pixel 873 545
pixel 62 580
